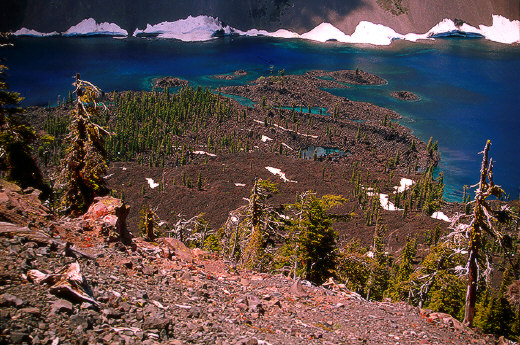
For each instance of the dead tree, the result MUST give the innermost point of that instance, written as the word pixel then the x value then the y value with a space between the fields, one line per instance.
pixel 84 164
pixel 482 220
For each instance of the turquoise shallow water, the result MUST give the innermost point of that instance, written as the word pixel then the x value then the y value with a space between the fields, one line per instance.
pixel 469 89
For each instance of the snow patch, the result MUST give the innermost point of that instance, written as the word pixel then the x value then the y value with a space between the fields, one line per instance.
pixel 405 184
pixel 376 34
pixel 151 183
pixel 191 29
pixel 441 216
pixel 34 33
pixel 290 148
pixel 503 30
pixel 265 138
pixel 386 204
pixel 325 32
pixel 89 27
pixel 447 26
pixel 204 153
pixel 278 172
pixel 281 33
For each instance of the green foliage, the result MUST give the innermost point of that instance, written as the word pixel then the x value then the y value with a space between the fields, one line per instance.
pixel 426 194
pixel 379 276
pixel 16 161
pixel 310 239
pixel 395 7
pixel 353 266
pixel 432 236
pixel 437 284
pixel 84 164
pixel 447 294
pixel 250 233
pixel 403 270
pixel 149 123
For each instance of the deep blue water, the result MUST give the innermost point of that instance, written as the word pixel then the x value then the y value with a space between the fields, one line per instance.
pixel 469 89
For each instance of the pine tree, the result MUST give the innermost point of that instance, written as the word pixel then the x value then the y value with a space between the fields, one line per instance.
pixel 310 242
pixel 397 291
pixel 252 230
pixel 16 161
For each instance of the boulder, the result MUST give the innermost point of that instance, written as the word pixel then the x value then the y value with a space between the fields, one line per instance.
pixel 107 215
pixel 179 249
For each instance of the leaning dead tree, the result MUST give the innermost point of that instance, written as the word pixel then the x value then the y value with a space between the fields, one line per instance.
pixel 84 164
pixel 482 223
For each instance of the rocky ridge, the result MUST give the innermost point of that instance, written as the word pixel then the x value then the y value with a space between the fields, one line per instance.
pixel 150 293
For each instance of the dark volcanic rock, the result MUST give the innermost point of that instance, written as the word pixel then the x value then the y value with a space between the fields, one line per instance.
pixel 358 77
pixel 165 82
pixel 235 75
pixel 405 95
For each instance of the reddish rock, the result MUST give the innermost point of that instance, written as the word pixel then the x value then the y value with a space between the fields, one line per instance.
pixel 108 216
pixel 178 248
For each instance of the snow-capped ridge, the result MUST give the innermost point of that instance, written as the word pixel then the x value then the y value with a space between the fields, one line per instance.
pixel 34 33
pixel 89 27
pixel 200 28
pixel 203 28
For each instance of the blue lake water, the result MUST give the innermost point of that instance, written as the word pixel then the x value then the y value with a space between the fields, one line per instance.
pixel 469 89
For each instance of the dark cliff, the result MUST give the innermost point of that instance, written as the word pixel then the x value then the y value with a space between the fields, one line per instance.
pixel 297 15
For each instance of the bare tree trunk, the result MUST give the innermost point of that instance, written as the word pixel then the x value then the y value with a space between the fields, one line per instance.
pixel 475 239
pixel 471 293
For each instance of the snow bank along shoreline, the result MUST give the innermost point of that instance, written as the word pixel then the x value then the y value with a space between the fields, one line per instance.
pixel 203 28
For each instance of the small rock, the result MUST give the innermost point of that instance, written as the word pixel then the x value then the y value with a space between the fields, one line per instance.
pixel 112 313
pixel 62 306
pixel 297 289
pixel 247 341
pixel 186 276
pixel 155 323
pixel 31 310
pixel 19 337
pixel 254 304
pixel 8 300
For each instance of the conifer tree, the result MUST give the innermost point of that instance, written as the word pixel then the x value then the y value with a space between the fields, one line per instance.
pixel 310 239
pixel 251 230
pixel 16 162
pixel 84 164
